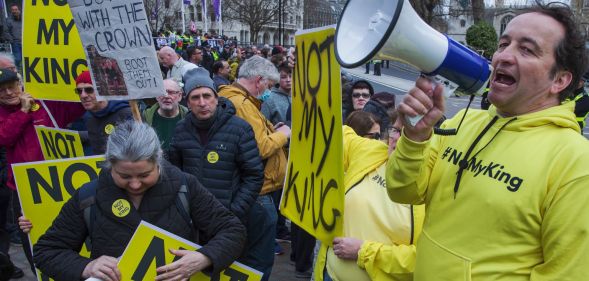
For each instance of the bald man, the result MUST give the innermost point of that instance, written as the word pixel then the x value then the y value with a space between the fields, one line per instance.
pixel 177 66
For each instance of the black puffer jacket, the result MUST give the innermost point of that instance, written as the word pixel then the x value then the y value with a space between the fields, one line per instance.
pixel 100 124
pixel 56 252
pixel 236 176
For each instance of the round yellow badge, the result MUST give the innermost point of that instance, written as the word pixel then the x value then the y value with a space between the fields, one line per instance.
pixel 109 128
pixel 213 157
pixel 35 107
pixel 121 208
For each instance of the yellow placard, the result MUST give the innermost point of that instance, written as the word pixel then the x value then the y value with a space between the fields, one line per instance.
pixel 53 55
pixel 59 143
pixel 313 195
pixel 148 250
pixel 43 188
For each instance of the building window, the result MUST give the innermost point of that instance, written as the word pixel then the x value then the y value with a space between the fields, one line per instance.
pixel 167 4
pixel 462 23
pixel 585 3
pixel 199 13
pixel 504 21
pixel 191 12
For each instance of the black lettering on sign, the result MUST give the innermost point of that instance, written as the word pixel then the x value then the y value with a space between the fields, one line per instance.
pixel 123 38
pixel 310 189
pixel 155 251
pixel 46 33
pixel 46 2
pixel 49 70
pixel 130 13
pixel 97 18
pixel 69 173
pixel 235 275
pixel 54 188
pixel 58 145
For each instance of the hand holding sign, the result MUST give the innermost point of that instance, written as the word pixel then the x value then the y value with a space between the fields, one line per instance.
pixel 26 102
pixel 24 224
pixel 104 268
pixel 190 263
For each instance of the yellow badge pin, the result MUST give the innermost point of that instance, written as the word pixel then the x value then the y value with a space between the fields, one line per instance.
pixel 121 208
pixel 213 157
pixel 109 128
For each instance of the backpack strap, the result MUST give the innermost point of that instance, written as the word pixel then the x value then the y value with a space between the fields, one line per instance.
pixel 87 200
pixel 182 202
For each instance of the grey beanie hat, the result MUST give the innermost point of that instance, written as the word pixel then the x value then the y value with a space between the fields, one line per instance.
pixel 196 78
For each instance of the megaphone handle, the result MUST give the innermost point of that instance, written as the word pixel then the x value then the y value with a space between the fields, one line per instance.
pixel 449 88
pixel 413 120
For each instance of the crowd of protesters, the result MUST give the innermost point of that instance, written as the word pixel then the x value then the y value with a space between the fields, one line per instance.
pixel 418 206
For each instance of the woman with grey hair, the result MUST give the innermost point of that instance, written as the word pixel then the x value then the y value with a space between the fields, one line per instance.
pixel 135 173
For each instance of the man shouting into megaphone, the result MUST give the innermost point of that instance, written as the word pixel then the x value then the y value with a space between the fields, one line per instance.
pixel 506 196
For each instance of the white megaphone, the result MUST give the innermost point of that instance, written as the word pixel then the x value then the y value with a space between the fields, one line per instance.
pixel 392 30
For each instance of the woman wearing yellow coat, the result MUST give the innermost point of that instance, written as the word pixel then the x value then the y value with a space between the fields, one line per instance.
pixel 379 234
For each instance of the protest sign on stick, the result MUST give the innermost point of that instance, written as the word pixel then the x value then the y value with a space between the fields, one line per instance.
pixel 313 195
pixel 118 44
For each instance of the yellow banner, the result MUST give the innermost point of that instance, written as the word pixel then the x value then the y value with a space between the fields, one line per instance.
pixel 151 243
pixel 59 143
pixel 53 55
pixel 313 195
pixel 43 188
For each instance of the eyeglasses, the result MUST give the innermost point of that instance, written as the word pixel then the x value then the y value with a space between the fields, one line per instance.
pixel 393 131
pixel 12 86
pixel 375 136
pixel 173 93
pixel 364 95
pixel 88 90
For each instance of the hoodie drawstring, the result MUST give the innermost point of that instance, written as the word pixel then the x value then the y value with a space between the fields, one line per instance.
pixel 463 164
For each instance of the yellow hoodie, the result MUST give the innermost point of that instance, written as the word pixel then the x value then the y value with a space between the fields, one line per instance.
pixel 387 228
pixel 518 211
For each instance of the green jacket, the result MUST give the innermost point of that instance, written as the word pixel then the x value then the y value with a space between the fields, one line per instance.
pixel 147 115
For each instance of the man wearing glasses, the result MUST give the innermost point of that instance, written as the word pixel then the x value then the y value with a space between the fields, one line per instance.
pixel 19 113
pixel 104 115
pixel 358 96
pixel 361 93
pixel 164 115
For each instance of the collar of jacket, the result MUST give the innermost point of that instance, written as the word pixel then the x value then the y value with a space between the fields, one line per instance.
pixel 247 95
pixel 278 90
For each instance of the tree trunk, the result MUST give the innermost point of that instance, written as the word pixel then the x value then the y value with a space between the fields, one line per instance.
pixel 478 10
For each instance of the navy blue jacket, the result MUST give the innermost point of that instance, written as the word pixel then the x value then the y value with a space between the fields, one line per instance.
pixel 229 165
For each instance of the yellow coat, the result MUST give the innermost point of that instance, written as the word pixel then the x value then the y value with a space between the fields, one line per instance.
pixel 389 230
pixel 270 143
